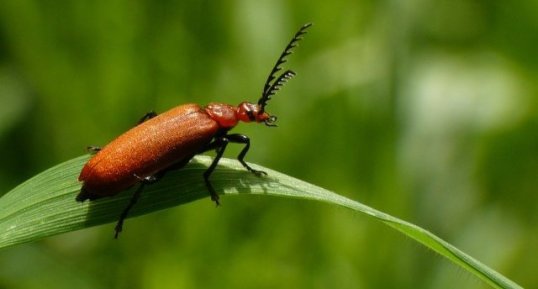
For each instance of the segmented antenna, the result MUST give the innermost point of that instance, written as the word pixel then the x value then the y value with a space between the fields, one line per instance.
pixel 279 82
pixel 270 89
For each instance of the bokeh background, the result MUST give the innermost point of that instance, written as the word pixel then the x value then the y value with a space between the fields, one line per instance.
pixel 424 109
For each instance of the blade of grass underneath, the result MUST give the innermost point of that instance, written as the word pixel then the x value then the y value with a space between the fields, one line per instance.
pixel 45 205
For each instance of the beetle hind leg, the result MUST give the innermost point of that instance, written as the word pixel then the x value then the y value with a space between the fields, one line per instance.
pixel 136 195
pixel 84 195
pixel 93 149
pixel 147 116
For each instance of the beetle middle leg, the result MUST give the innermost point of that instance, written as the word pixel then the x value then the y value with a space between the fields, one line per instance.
pixel 219 144
pixel 136 195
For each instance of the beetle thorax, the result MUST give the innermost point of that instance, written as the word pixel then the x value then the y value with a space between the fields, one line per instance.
pixel 224 114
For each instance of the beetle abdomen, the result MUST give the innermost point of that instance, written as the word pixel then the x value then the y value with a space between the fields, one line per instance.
pixel 147 149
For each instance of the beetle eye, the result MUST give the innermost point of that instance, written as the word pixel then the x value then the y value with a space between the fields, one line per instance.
pixel 271 121
pixel 250 115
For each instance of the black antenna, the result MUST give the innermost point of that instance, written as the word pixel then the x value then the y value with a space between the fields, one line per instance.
pixel 270 89
pixel 279 82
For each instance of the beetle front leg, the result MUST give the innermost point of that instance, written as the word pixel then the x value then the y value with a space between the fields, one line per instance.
pixel 219 145
pixel 243 139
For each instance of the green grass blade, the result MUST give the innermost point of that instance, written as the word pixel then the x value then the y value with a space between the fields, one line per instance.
pixel 45 205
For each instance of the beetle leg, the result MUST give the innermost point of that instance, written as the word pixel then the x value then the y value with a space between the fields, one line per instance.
pixel 219 145
pixel 84 195
pixel 147 116
pixel 93 149
pixel 148 179
pixel 243 139
pixel 136 195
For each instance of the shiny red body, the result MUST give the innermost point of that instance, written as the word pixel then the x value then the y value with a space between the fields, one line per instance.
pixel 160 143
pixel 170 138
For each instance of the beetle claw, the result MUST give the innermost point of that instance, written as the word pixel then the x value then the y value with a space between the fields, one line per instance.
pixel 215 198
pixel 117 230
pixel 259 173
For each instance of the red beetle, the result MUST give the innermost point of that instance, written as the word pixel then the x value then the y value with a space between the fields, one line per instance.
pixel 160 143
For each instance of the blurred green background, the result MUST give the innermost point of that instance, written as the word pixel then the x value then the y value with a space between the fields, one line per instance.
pixel 424 109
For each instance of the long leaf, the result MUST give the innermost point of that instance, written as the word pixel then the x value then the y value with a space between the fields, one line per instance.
pixel 45 205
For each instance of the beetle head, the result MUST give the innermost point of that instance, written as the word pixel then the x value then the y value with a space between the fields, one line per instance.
pixel 248 112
